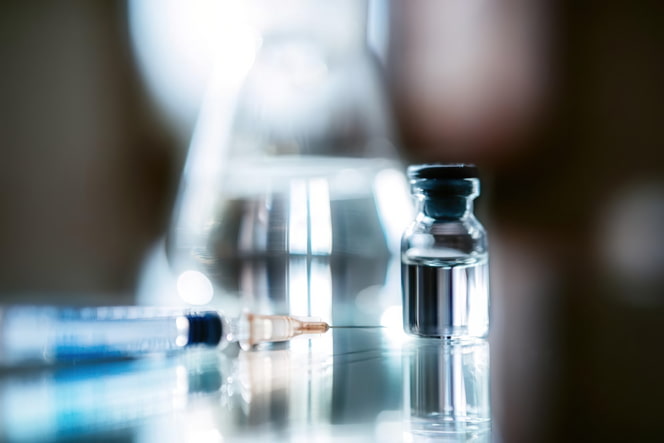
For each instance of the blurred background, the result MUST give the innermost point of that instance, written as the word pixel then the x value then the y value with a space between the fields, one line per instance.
pixel 559 103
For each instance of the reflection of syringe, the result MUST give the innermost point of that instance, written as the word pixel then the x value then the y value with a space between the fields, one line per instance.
pixel 55 334
pixel 85 402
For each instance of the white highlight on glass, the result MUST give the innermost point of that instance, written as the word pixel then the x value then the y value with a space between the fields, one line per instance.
pixel 195 288
pixel 298 220
pixel 182 326
pixel 391 317
pixel 178 45
pixel 392 321
pixel 298 286
pixel 320 218
pixel 320 289
pixel 390 189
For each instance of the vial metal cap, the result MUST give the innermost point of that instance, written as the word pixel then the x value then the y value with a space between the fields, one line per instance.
pixel 442 171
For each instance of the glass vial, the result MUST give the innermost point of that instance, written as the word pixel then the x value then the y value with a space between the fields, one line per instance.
pixel 444 256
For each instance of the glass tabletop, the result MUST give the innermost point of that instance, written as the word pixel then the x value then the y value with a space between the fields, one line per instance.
pixel 346 385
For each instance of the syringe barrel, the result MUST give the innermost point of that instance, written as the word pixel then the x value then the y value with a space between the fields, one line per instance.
pixel 47 334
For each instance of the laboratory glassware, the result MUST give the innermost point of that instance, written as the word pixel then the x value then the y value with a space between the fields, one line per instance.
pixel 444 256
pixel 293 193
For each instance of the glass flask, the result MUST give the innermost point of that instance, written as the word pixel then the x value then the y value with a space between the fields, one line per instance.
pixel 444 256
pixel 293 194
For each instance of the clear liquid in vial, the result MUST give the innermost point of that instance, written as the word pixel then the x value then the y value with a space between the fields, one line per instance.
pixel 446 298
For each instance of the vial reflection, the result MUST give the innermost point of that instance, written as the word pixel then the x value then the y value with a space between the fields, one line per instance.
pixel 447 391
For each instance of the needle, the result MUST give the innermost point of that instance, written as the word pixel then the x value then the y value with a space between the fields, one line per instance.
pixel 275 328
pixel 356 327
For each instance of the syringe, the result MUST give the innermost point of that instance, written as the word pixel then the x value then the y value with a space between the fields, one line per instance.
pixel 51 334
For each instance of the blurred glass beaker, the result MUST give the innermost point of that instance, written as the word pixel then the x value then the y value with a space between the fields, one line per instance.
pixel 292 194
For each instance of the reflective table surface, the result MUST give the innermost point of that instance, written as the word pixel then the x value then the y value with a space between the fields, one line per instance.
pixel 347 385
pixel 569 358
